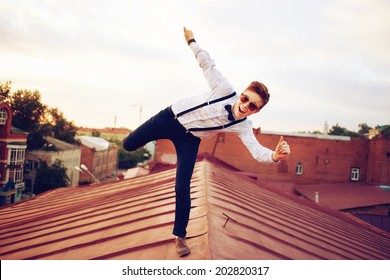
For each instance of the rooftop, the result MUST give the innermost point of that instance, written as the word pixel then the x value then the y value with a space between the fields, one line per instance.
pixel 231 218
pixel 96 143
pixel 61 145
pixel 347 195
pixel 310 135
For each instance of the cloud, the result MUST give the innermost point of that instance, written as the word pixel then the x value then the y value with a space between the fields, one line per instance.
pixel 320 59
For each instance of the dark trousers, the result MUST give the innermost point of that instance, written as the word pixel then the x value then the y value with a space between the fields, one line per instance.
pixel 164 126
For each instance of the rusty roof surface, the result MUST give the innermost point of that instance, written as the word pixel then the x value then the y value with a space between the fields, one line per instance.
pixel 231 218
pixel 347 195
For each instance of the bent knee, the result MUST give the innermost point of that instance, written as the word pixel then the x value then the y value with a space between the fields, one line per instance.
pixel 129 145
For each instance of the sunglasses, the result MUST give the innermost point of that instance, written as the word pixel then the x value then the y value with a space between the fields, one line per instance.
pixel 252 106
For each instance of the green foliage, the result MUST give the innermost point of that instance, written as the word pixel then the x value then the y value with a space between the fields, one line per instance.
pixel 131 159
pixel 363 129
pixel 27 109
pixel 36 138
pixel 5 89
pixel 342 131
pixel 61 128
pixel 385 131
pixel 34 117
pixel 50 177
pixel 96 134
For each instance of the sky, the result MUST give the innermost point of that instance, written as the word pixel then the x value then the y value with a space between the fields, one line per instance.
pixel 117 63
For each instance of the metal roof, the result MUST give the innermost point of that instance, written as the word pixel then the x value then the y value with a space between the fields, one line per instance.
pixel 347 195
pixel 133 219
pixel 96 143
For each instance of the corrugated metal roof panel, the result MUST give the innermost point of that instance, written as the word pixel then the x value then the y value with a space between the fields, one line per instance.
pixel 276 226
pixel 346 195
pixel 133 219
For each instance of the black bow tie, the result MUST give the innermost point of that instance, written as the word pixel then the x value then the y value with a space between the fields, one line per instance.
pixel 229 109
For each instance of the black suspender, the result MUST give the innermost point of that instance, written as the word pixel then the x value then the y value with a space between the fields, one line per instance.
pixel 206 104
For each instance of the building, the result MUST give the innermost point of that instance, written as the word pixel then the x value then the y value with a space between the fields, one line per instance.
pixel 315 158
pixel 12 157
pixel 232 218
pixel 54 150
pixel 100 158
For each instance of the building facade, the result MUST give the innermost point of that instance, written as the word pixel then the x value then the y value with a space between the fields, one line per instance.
pixel 314 159
pixel 99 157
pixel 12 157
pixel 68 154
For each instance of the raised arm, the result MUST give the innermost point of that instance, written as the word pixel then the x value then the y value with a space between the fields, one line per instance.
pixel 214 78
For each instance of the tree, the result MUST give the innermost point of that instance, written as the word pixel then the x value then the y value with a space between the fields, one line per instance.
pixel 131 159
pixel 342 131
pixel 28 109
pixel 36 138
pixel 337 130
pixel 62 129
pixel 95 133
pixel 385 132
pixel 5 90
pixel 50 177
pixel 363 129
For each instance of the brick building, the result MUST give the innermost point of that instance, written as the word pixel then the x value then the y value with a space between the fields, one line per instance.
pixel 379 161
pixel 315 158
pixel 12 155
pixel 99 156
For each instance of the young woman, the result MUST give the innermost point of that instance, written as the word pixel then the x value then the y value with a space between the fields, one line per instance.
pixel 189 121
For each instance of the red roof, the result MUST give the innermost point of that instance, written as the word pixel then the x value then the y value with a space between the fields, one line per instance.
pixel 133 219
pixel 346 196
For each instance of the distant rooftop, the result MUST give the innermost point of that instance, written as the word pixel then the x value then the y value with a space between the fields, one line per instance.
pixel 347 195
pixel 96 143
pixel 231 218
pixel 310 135
pixel 61 145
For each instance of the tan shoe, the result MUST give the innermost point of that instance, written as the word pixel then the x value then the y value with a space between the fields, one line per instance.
pixel 182 248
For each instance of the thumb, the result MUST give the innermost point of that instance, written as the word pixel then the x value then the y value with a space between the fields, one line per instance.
pixel 281 139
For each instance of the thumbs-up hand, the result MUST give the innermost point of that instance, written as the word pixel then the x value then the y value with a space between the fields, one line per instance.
pixel 282 150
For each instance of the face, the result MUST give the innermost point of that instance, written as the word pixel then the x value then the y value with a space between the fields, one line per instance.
pixel 247 101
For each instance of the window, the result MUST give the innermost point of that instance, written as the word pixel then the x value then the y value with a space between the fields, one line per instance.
pixel 16 156
pixel 355 174
pixel 3 116
pixel 16 175
pixel 29 165
pixel 299 169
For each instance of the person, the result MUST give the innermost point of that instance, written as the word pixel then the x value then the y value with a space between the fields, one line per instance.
pixel 190 120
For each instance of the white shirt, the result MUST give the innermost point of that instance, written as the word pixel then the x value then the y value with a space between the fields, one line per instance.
pixel 216 114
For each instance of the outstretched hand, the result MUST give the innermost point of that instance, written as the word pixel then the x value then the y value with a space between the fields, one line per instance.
pixel 188 34
pixel 282 150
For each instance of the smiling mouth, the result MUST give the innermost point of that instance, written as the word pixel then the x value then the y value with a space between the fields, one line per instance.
pixel 240 110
